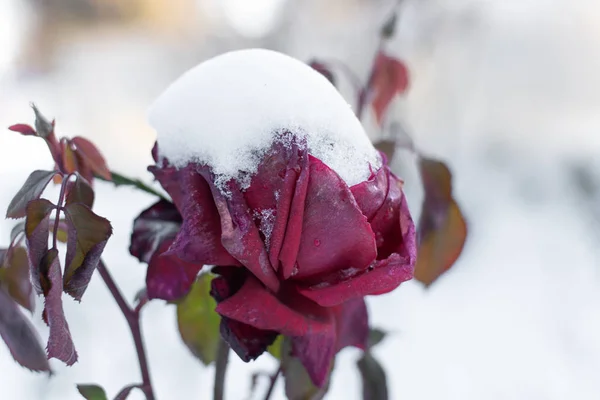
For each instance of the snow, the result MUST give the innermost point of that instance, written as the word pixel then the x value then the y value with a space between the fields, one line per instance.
pixel 227 111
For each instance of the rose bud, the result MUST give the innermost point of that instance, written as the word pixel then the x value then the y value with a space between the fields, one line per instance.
pixel 278 186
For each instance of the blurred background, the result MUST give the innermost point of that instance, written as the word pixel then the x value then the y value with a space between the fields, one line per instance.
pixel 506 91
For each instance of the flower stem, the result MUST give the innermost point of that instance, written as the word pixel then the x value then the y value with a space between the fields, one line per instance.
pixel 122 180
pixel 272 384
pixel 221 369
pixel 133 320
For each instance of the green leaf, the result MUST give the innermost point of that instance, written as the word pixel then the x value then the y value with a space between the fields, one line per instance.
pixel 298 385
pixel 275 348
pixel 14 276
pixel 374 382
pixel 80 191
pixel 198 322
pixel 376 335
pixel 87 236
pixel 32 190
pixel 92 392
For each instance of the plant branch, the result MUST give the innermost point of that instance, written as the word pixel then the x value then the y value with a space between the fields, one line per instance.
pixel 133 320
pixel 221 369
pixel 272 384
pixel 122 180
pixel 61 198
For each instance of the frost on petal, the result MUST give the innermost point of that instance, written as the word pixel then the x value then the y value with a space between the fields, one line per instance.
pixel 382 276
pixel 241 237
pixel 336 235
pixel 168 277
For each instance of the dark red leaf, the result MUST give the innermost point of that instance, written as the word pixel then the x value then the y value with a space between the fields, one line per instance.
pixel 92 392
pixel 389 78
pixel 20 336
pixel 14 276
pixel 87 236
pixel 374 381
pixel 160 222
pixel 92 156
pixel 17 230
pixel 31 190
pixel 352 324
pixel 36 233
pixel 79 191
pixel 23 129
pixel 323 70
pixel 60 343
pixel 442 230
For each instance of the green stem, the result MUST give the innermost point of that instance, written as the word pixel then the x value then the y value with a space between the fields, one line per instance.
pixel 122 180
pixel 220 369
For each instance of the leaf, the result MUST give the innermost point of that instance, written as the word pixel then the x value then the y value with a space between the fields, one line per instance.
pixel 15 277
pixel 387 147
pixel 198 321
pixel 31 190
pixel 323 70
pixel 298 385
pixel 124 393
pixel 20 336
pixel 43 127
pixel 388 29
pixel 90 153
pixel 23 129
pixel 87 236
pixel 374 381
pixel 18 229
pixel 80 191
pixel 442 230
pixel 275 348
pixel 389 78
pixel 92 392
pixel 60 343
pixel 69 158
pixel 376 335
pixel 36 234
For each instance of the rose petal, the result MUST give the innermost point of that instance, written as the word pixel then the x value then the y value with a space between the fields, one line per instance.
pixel 168 277
pixel 199 238
pixel 247 341
pixel 254 305
pixel 155 224
pixel 352 324
pixel 240 236
pixel 335 234
pixel 381 277
pixel 316 351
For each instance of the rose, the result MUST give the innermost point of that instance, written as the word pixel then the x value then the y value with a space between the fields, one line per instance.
pixel 297 251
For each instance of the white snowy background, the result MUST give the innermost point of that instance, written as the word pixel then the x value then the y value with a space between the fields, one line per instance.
pixel 506 91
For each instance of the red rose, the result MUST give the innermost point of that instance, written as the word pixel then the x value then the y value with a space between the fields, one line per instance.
pixel 264 161
pixel 298 250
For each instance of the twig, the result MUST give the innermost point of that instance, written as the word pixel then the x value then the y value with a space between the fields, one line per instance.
pixel 122 180
pixel 61 198
pixel 221 369
pixel 133 320
pixel 272 384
